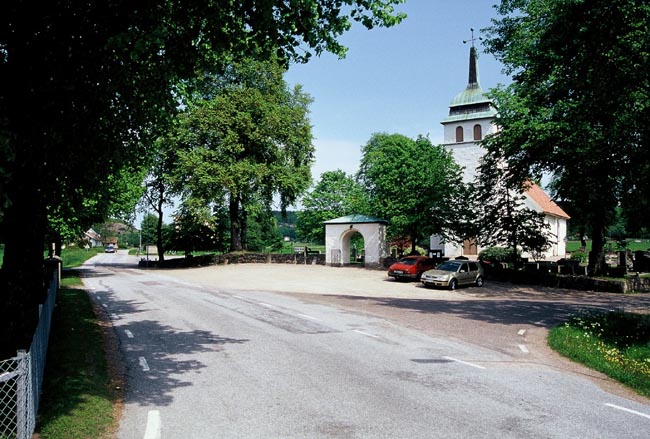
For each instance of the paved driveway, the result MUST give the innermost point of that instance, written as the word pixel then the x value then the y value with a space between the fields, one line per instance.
pixel 509 318
pixel 360 282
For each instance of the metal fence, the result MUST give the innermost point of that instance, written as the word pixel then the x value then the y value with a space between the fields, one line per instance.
pixel 21 377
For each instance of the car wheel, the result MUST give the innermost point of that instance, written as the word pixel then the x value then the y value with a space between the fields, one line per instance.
pixel 479 281
pixel 453 284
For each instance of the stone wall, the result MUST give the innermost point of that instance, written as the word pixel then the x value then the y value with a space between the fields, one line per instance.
pixel 237 258
pixel 638 284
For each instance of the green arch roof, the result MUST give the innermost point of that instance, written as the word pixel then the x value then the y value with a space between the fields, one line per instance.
pixel 356 219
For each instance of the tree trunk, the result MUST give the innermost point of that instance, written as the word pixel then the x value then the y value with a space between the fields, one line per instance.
pixel 414 239
pixel 243 228
pixel 597 265
pixel 22 279
pixel 235 226
pixel 159 225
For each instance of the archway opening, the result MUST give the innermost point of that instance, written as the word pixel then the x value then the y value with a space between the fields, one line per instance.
pixel 357 246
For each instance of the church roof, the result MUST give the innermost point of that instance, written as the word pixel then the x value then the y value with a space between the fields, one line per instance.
pixel 356 219
pixel 548 206
pixel 470 96
pixel 471 103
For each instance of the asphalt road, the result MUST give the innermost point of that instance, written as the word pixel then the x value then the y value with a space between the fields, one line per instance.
pixel 272 351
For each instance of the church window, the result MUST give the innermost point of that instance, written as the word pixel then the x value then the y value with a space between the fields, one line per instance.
pixel 459 134
pixel 478 132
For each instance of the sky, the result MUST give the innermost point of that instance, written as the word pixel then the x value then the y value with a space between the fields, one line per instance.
pixel 395 80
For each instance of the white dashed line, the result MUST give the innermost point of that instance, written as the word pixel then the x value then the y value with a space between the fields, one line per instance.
pixel 267 305
pixel 523 348
pixel 128 333
pixel 464 362
pixel 238 297
pixel 634 412
pixel 153 430
pixel 365 333
pixel 144 364
pixel 521 332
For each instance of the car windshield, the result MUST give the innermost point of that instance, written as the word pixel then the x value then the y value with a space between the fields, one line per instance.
pixel 448 266
pixel 408 261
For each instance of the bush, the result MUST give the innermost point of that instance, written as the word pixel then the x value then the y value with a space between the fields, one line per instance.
pixel 580 256
pixel 496 254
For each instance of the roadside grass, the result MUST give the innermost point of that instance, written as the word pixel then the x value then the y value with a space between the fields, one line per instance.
pixel 74 256
pixel 614 343
pixel 78 396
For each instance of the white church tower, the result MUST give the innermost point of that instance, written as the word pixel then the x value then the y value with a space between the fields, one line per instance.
pixel 471 117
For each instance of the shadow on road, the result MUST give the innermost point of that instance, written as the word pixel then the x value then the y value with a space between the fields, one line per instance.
pixel 515 308
pixel 169 353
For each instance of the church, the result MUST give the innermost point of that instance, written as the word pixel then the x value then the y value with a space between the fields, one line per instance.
pixel 471 118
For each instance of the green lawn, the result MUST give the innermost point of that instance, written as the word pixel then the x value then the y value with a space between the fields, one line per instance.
pixel 615 343
pixel 633 244
pixel 78 398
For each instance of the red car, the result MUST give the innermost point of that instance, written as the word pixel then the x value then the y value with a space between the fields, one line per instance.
pixel 411 267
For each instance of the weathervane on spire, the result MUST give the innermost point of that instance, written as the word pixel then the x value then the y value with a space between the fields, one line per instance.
pixel 471 40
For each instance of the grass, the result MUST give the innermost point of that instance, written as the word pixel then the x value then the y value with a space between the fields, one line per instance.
pixel 614 343
pixel 74 256
pixel 78 397
pixel 632 244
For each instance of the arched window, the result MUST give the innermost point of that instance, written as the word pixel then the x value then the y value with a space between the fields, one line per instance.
pixel 459 134
pixel 478 132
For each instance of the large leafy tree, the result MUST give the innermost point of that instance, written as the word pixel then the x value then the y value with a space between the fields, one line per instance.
pixel 85 86
pixel 248 138
pixel 579 102
pixel 335 194
pixel 414 184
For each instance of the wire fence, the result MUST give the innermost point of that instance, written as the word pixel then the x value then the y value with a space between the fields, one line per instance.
pixel 21 377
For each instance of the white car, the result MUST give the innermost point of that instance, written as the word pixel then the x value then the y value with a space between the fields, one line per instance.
pixel 451 274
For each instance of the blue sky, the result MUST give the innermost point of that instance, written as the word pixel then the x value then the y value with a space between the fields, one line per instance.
pixel 396 80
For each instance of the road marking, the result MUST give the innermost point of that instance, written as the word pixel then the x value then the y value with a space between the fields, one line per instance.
pixel 104 305
pixel 268 305
pixel 153 430
pixel 464 362
pixel 128 333
pixel 521 332
pixel 307 317
pixel 144 364
pixel 365 333
pixel 238 297
pixel 634 412
pixel 523 348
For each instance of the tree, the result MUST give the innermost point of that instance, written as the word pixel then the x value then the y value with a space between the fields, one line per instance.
pixel 86 86
pixel 161 183
pixel 336 194
pixel 579 102
pixel 247 138
pixel 198 227
pixel 263 234
pixel 413 183
pixel 502 217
